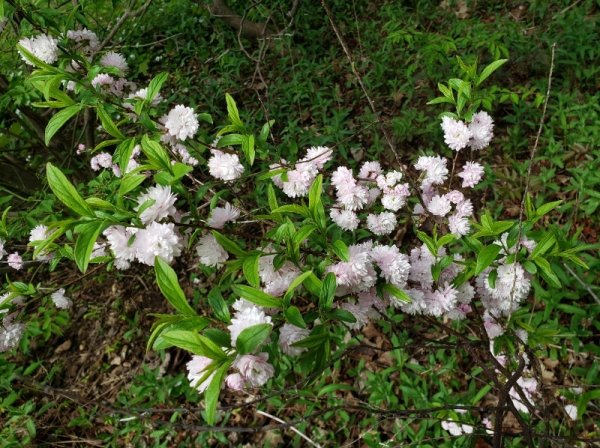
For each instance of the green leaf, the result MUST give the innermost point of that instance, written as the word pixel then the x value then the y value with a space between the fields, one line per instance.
pixel 252 337
pixel 58 120
pixel 194 343
pixel 547 272
pixel 543 246
pixel 295 283
pixel 123 154
pixel 429 243
pixel 130 182
pixel 343 315
pixel 397 293
pixel 486 257
pixel 333 388
pixel 218 305
pixel 66 192
pixel 155 86
pixel 491 68
pixel 250 269
pixel 341 250
pixel 327 292
pixel 88 233
pixel 211 395
pixel 230 140
pixel 108 124
pixel 229 245
pixel 293 208
pixel 256 296
pixel 232 111
pixel 293 316
pixel 315 192
pixel 546 208
pixel 156 154
pixel 169 286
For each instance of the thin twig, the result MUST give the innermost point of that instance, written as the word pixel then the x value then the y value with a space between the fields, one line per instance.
pixel 291 427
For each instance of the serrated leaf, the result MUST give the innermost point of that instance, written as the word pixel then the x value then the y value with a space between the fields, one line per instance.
pixel 88 234
pixel 250 269
pixel 256 296
pixel 295 283
pixel 294 316
pixel 341 250
pixel 211 396
pixel 232 111
pixel 229 245
pixel 491 68
pixel 327 293
pixel 58 120
pixel 66 192
pixel 218 305
pixel 252 337
pixel 486 257
pixel 108 124
pixel 169 286
pixel 397 293
pixel 155 85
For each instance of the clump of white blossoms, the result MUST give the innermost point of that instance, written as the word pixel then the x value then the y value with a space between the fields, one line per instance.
pixel 162 204
pixel 197 374
pixel 60 300
pixel 225 166
pixel 10 333
pixel 114 59
pixel 87 40
pixel 219 216
pixel 210 251
pixel 157 240
pixel 247 315
pixel 297 181
pixel 290 334
pixel 181 122
pixel 43 47
pixel 481 127
pixel 382 223
pixel 456 134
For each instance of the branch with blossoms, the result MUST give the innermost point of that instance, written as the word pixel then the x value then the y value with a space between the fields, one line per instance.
pixel 319 260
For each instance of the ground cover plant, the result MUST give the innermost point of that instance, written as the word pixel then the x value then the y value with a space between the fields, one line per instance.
pixel 314 224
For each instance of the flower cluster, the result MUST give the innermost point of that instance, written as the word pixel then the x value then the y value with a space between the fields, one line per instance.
pixel 297 181
pixel 477 134
pixel 156 239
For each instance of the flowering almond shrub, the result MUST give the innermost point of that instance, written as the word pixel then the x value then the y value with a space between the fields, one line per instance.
pixel 316 246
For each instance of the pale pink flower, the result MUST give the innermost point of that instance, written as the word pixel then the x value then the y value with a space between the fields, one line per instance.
pixel 219 216
pixel 255 369
pixel 456 133
pixel 471 174
pixel 481 128
pixel 382 224
pixel 15 261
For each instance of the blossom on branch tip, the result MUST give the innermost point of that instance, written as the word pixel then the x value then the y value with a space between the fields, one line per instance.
pixel 114 59
pixel 472 173
pixel 456 133
pixel 225 166
pixel 210 252
pixel 181 122
pixel 219 216
pixel 60 300
pixel 162 207
pixel 15 261
pixel 197 372
pixel 481 128
pixel 43 47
